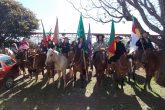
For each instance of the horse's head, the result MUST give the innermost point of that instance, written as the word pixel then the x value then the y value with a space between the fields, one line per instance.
pixel 51 57
pixel 100 56
pixel 73 49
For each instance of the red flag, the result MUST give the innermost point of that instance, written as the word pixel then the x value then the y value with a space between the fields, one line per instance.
pixel 112 42
pixel 44 34
pixel 56 33
pixel 49 34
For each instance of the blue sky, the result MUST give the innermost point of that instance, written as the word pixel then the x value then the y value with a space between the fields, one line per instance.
pixel 68 17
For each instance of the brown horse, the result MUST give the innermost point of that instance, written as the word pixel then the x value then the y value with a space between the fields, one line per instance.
pixel 120 69
pixel 150 63
pixel 100 64
pixel 79 61
pixel 21 57
pixel 36 64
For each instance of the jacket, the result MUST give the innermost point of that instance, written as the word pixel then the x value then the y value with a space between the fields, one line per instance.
pixel 146 44
pixel 65 47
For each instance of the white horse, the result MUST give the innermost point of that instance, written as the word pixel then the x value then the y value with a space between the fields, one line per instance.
pixel 60 63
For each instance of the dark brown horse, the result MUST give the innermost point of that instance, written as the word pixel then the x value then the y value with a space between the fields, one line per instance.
pixel 36 64
pixel 100 64
pixel 120 69
pixel 79 61
pixel 150 63
pixel 21 57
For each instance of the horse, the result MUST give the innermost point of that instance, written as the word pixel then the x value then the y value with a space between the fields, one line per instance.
pixel 36 64
pixel 120 70
pixel 100 64
pixel 60 64
pixel 79 61
pixel 149 62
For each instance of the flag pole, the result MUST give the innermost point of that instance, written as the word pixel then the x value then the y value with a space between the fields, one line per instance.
pixel 142 46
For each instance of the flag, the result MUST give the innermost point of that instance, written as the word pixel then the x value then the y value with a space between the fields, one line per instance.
pixel 135 35
pixel 49 35
pixel 44 34
pixel 89 41
pixel 80 30
pixel 112 42
pixel 56 33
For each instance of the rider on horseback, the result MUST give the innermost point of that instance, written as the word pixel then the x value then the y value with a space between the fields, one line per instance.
pixel 65 47
pixel 144 43
pixel 24 45
pixel 50 44
pixel 43 47
pixel 99 45
pixel 120 50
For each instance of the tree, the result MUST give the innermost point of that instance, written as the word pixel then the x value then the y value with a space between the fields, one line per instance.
pixel 152 13
pixel 15 20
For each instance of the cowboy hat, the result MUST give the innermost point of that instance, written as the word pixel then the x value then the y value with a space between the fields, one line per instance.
pixel 144 32
pixel 97 35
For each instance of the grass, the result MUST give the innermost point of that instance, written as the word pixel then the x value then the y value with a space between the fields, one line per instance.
pixel 28 95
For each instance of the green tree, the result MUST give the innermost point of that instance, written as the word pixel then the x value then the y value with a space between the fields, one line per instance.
pixel 15 20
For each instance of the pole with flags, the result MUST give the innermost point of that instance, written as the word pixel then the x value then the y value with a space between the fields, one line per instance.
pixel 112 42
pixel 135 35
pixel 44 34
pixel 81 34
pixel 49 34
pixel 80 30
pixel 56 33
pixel 89 42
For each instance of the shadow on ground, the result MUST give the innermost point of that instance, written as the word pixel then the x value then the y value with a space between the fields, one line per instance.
pixel 28 95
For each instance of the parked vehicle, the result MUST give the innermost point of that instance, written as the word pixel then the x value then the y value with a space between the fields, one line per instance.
pixel 9 70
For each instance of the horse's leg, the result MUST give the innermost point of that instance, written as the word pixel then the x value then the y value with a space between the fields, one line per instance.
pixel 102 77
pixel 149 81
pixel 24 72
pixel 146 81
pixel 115 84
pixel 30 73
pixel 122 83
pixel 42 73
pixel 48 73
pixel 59 78
pixel 115 80
pixel 36 75
pixel 74 74
pixel 82 77
pixel 98 78
pixel 133 73
pixel 64 77
pixel 91 64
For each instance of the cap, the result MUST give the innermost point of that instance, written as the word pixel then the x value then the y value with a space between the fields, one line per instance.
pixel 118 37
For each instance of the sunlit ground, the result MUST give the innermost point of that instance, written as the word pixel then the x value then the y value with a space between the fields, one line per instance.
pixel 44 95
